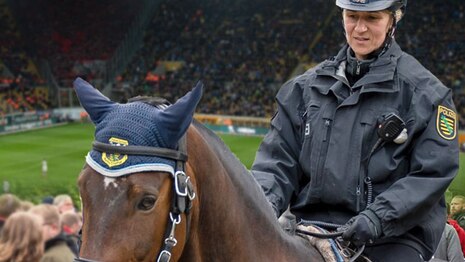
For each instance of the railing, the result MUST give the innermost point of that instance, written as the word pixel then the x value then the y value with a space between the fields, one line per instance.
pixel 132 42
pixel 46 72
pixel 233 120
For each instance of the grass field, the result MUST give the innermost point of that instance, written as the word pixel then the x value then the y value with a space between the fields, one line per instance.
pixel 64 148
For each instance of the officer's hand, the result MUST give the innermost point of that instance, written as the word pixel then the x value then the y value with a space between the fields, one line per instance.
pixel 362 228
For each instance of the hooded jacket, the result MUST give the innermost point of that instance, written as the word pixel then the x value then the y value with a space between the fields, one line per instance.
pixel 323 152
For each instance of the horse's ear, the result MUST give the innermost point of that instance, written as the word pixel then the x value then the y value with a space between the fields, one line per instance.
pixel 95 103
pixel 176 118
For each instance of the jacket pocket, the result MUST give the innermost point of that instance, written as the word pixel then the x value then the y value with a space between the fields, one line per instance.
pixel 311 133
pixel 308 124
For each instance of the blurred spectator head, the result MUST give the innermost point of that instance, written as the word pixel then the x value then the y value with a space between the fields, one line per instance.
pixel 457 205
pixel 71 223
pixel 21 238
pixel 51 216
pixel 26 205
pixel 9 204
pixel 47 200
pixel 64 203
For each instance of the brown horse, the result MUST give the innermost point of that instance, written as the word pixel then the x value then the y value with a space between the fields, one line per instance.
pixel 216 213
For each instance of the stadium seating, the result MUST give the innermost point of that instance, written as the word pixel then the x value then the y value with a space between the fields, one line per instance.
pixel 243 50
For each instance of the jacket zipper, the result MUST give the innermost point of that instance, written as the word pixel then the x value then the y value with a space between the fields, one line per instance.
pixel 358 193
pixel 327 129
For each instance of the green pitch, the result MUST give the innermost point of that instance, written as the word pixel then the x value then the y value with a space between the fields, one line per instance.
pixel 64 148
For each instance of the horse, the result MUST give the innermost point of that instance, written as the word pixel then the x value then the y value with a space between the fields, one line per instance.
pixel 204 205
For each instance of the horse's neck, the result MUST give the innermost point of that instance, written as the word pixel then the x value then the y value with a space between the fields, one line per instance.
pixel 233 211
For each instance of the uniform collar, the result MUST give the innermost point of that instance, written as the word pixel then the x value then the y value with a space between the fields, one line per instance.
pixel 378 79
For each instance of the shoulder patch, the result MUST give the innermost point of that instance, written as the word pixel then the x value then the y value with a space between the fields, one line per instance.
pixel 446 123
pixel 115 159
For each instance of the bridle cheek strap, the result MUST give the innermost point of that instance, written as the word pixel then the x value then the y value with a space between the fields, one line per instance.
pixel 183 194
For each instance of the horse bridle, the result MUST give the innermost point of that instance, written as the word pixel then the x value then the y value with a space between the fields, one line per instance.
pixel 182 188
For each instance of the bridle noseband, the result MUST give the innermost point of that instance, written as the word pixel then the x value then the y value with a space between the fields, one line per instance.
pixel 182 188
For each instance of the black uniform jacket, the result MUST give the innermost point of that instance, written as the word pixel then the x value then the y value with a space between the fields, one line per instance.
pixel 316 156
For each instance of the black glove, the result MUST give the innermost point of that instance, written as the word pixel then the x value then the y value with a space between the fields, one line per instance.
pixel 363 228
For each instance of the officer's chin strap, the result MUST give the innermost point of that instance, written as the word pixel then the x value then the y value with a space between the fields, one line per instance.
pixel 389 36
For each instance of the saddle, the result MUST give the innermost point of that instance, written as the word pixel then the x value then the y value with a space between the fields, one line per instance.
pixel 332 249
pixel 329 244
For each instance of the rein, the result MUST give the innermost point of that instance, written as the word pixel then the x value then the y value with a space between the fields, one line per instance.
pixel 182 188
pixel 333 235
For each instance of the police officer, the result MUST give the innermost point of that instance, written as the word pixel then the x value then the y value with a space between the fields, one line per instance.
pixel 367 139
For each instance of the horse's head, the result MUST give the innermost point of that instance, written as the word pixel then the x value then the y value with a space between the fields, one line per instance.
pixel 131 217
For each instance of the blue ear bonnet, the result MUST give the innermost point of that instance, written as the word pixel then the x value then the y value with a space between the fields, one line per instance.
pixel 138 124
pixel 133 124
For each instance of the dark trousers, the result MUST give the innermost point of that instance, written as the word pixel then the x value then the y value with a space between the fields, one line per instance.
pixel 393 253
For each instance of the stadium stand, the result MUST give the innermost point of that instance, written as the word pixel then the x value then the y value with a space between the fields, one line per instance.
pixel 242 53
pixel 242 50
pixel 21 87
pixel 437 42
pixel 221 45
pixel 75 36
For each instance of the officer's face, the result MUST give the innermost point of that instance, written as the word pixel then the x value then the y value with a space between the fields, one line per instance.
pixel 366 31
pixel 456 206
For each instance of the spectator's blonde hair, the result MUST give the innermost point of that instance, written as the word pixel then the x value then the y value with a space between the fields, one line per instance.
pixel 26 205
pixel 462 198
pixel 21 238
pixel 9 203
pixel 61 198
pixel 49 213
pixel 70 218
pixel 398 14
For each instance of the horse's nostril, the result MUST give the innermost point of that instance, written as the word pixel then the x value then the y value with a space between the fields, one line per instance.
pixel 147 203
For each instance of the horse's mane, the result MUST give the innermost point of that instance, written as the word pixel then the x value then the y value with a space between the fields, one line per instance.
pixel 231 162
pixel 238 173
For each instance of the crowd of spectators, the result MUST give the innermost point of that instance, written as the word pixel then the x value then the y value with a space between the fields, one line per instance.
pixel 242 53
pixel 246 51
pixel 49 231
pixel 76 37
pixel 23 99
pixel 15 65
pixel 21 87
pixel 435 34
pixel 38 232
pixel 242 50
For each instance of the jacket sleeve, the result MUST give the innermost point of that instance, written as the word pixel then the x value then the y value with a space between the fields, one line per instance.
pixel 276 166
pixel 454 250
pixel 417 197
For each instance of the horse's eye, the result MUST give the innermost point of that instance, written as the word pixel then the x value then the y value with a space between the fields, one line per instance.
pixel 146 203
